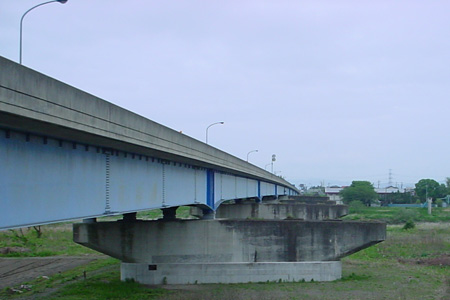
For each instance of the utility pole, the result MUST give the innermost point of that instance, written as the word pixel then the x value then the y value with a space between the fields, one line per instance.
pixel 274 158
pixel 429 200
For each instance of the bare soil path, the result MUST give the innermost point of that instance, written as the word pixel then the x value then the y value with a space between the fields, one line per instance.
pixel 15 271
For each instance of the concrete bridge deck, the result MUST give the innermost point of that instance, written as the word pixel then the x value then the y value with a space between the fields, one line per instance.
pixel 67 155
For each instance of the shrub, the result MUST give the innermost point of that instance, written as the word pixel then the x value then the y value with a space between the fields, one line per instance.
pixel 409 225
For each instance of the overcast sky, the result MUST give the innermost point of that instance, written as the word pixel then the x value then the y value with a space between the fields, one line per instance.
pixel 338 90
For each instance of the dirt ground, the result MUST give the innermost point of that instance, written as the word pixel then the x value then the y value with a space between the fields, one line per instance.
pixel 14 271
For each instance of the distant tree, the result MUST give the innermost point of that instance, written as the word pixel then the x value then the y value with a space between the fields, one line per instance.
pixel 430 188
pixel 315 191
pixel 359 191
pixel 398 198
pixel 447 184
pixel 442 191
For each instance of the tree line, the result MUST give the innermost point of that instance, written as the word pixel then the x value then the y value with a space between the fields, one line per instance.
pixel 364 191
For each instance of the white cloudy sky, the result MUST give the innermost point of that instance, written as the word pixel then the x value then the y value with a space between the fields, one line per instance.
pixel 338 90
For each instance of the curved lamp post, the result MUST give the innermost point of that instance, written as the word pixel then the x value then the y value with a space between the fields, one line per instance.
pixel 210 126
pixel 251 152
pixel 21 21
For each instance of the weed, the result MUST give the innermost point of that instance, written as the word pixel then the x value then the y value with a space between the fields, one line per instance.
pixel 354 277
pixel 409 225
pixel 107 287
pixel 405 215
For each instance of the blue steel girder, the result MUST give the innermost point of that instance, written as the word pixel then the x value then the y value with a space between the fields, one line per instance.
pixel 66 154
pixel 46 180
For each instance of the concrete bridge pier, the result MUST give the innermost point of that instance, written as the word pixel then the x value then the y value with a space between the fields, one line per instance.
pixel 228 251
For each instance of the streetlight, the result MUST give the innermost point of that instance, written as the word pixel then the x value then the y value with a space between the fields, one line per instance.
pixel 210 126
pixel 21 21
pixel 274 158
pixel 265 167
pixel 251 152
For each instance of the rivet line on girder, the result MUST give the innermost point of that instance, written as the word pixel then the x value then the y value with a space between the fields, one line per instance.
pixel 107 183
pixel 163 185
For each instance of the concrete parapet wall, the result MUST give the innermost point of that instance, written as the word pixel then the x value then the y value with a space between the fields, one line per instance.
pixel 33 102
pixel 281 211
pixel 231 272
pixel 216 241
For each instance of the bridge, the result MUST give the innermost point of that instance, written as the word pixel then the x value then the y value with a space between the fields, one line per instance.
pixel 66 155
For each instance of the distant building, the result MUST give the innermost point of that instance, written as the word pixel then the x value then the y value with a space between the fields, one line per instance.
pixel 389 190
pixel 333 192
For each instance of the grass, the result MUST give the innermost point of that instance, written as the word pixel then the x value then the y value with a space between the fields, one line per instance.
pixel 107 286
pixel 55 240
pixel 410 264
pixel 397 215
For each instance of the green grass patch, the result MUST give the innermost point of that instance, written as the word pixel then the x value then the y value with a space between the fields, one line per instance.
pixel 54 240
pixel 107 286
pixel 355 277
pixel 422 241
pixel 398 215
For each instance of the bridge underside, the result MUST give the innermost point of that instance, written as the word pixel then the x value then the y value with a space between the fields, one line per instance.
pixel 46 180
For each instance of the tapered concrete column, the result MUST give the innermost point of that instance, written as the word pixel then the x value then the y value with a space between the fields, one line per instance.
pixel 90 220
pixel 130 217
pixel 169 214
